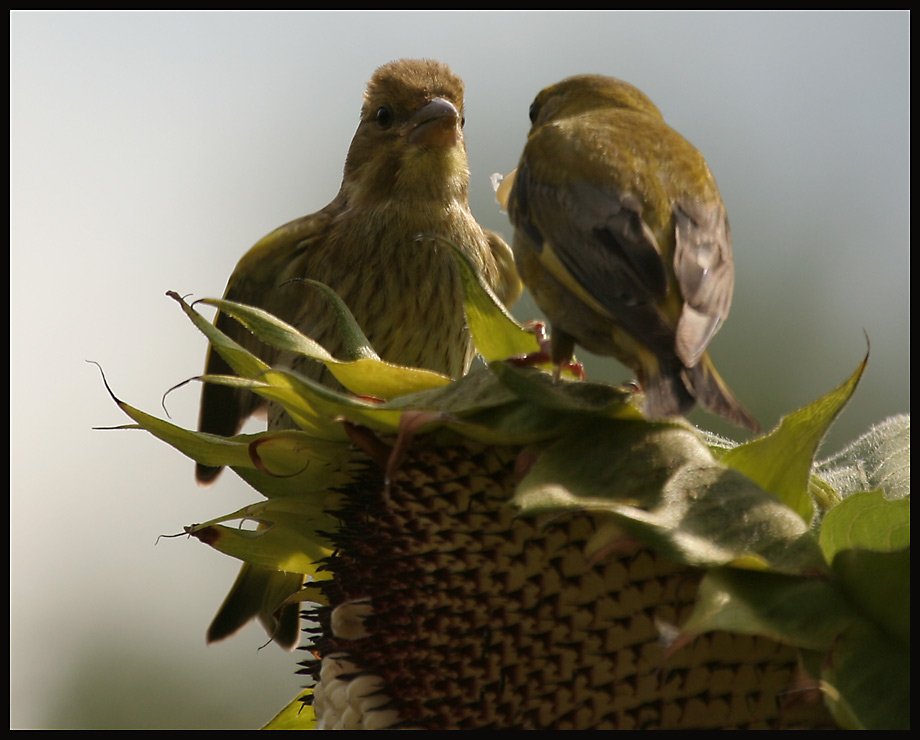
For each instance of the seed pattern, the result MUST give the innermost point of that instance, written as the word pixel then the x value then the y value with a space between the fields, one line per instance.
pixel 449 610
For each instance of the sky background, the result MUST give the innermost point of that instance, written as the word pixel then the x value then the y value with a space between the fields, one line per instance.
pixel 148 151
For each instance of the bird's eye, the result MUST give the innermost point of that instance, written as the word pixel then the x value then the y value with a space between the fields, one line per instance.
pixel 534 112
pixel 384 117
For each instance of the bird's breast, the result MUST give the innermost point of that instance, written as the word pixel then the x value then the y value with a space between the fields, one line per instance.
pixel 401 284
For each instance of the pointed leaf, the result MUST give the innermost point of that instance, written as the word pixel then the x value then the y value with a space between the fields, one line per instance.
pixel 298 715
pixel 378 379
pixel 367 375
pixel 496 334
pixel 354 342
pixel 204 448
pixel 288 536
pixel 243 362
pixel 275 463
pixel 794 442
pixel 270 329
pixel 313 405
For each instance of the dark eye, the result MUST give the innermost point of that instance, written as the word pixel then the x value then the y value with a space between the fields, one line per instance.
pixel 534 112
pixel 384 117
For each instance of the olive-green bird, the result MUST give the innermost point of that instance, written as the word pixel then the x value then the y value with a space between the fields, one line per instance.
pixel 622 237
pixel 406 176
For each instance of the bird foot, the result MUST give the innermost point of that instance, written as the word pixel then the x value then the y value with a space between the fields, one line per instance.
pixel 544 356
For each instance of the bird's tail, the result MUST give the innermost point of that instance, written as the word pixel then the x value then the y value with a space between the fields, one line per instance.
pixel 714 395
pixel 675 390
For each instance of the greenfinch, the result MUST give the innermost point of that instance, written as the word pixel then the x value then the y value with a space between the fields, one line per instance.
pixel 622 237
pixel 381 244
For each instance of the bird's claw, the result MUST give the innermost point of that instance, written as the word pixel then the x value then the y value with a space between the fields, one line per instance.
pixel 544 356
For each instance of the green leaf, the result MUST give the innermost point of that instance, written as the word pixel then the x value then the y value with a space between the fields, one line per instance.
pixel 269 329
pixel 378 379
pixel 809 613
pixel 480 406
pixel 478 391
pixel 287 538
pixel 290 463
pixel 298 715
pixel 365 375
pixel 354 342
pixel 541 388
pixel 781 462
pixel 878 459
pixel 315 406
pixel 274 463
pixel 866 679
pixel 496 334
pixel 661 485
pixel 244 363
pixel 204 448
pixel 866 520
pixel 878 583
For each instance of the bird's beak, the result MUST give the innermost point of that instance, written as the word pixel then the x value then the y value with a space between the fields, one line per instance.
pixel 435 124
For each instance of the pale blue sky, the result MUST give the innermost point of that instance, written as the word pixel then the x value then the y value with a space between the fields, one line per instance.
pixel 149 150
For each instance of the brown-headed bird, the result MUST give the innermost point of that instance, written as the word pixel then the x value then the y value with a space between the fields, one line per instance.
pixel 622 237
pixel 406 176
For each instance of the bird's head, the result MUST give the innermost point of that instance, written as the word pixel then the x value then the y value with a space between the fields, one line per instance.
pixel 584 93
pixel 409 142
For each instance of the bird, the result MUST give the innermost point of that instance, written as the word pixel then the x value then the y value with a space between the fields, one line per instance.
pixel 622 237
pixel 383 245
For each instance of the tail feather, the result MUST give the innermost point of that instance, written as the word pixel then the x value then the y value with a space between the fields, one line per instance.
pixel 224 410
pixel 714 395
pixel 666 394
pixel 674 390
